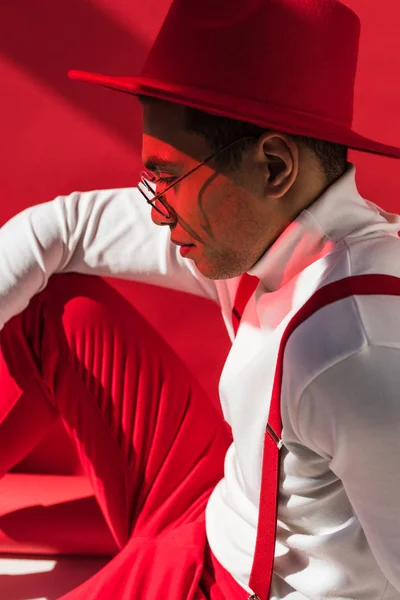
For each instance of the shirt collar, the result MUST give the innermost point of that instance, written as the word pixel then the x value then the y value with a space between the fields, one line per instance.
pixel 339 211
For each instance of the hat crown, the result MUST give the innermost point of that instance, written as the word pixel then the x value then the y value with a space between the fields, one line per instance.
pixel 297 54
pixel 216 14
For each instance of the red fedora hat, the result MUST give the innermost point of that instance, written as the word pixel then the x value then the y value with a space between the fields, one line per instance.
pixel 287 65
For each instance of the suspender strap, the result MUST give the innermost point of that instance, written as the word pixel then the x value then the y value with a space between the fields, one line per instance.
pixel 261 575
pixel 247 286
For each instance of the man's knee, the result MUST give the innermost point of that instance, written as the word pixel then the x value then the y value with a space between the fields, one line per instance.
pixel 72 311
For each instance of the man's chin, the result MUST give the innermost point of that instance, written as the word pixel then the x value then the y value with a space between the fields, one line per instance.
pixel 217 273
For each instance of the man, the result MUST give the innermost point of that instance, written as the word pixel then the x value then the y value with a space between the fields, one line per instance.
pixel 251 177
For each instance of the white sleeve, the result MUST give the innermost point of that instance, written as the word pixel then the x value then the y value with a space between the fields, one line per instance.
pixel 351 414
pixel 107 233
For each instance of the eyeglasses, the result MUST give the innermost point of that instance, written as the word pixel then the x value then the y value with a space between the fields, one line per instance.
pixel 148 182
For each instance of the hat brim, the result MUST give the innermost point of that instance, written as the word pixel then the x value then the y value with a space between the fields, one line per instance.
pixel 286 120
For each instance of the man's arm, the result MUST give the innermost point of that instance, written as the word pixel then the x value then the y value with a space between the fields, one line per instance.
pixel 106 233
pixel 351 412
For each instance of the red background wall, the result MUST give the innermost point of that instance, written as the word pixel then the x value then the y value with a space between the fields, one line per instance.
pixel 59 136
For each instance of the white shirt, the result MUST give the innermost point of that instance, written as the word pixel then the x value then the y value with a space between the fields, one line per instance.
pixel 339 511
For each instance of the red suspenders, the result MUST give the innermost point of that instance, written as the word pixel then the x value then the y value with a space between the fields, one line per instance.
pixel 261 575
pixel 246 287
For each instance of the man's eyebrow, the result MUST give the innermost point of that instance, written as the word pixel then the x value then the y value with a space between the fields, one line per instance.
pixel 156 163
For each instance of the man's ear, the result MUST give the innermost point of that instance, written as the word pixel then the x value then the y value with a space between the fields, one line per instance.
pixel 278 155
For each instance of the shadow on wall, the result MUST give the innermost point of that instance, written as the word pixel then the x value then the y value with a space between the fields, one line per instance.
pixel 48 38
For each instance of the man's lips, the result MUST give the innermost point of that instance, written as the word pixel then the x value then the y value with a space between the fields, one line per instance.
pixel 184 248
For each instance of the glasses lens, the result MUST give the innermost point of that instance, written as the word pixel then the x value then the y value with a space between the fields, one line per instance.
pixel 147 182
pixel 158 204
pixel 147 187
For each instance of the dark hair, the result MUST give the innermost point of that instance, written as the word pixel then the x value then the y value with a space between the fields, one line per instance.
pixel 220 131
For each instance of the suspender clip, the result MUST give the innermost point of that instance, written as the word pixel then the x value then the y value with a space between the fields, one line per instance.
pixel 275 436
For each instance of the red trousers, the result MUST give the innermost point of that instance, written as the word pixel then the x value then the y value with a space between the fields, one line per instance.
pixel 148 438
